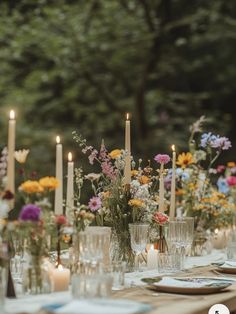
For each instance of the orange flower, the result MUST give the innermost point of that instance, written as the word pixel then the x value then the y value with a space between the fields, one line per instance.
pixel 134 173
pixel 231 164
pixel 136 202
pixel 144 180
pixel 180 192
pixel 185 159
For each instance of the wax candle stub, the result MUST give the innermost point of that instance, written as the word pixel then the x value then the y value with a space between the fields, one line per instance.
pixel 60 278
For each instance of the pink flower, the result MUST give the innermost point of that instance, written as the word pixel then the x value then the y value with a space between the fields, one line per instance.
pixel 92 156
pixel 60 220
pixel 95 203
pixel 162 159
pixel 231 181
pixel 103 152
pixel 220 168
pixel 108 170
pixel 160 218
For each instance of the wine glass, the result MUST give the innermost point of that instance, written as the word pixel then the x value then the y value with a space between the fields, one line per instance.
pixel 139 239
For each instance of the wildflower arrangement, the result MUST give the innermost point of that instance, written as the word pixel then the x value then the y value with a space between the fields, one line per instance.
pixel 114 203
pixel 197 195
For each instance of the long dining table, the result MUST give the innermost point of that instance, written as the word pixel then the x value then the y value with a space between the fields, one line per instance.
pixel 136 290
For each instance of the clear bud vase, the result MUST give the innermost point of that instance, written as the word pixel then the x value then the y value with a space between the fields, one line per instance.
pixel 162 244
pixel 35 277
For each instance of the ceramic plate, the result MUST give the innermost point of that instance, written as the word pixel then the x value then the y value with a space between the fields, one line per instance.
pixel 227 269
pixel 196 285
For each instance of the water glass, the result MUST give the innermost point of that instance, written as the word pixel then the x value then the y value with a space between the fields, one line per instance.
pixel 91 286
pixel 231 246
pixel 116 270
pixel 169 262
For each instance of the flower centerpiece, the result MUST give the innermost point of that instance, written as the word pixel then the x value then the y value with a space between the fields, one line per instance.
pixel 116 204
pixel 197 193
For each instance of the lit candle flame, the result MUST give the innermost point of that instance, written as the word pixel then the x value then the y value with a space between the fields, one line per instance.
pixel 173 148
pixel 151 247
pixel 69 156
pixel 60 267
pixel 127 116
pixel 58 140
pixel 12 115
pixel 216 231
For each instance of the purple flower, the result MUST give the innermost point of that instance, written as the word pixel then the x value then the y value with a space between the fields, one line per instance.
pixel 95 203
pixel 221 143
pixel 215 141
pixel 30 212
pixel 207 139
pixel 162 159
pixel 92 156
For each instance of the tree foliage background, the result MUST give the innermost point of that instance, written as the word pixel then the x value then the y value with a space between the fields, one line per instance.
pixel 81 64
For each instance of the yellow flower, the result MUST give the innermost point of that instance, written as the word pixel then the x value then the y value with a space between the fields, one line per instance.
pixel 134 173
pixel 231 164
pixel 50 183
pixel 31 187
pixel 21 155
pixel 115 153
pixel 185 159
pixel 144 179
pixel 136 202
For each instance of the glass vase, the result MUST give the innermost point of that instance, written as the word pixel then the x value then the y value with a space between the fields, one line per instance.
pixel 35 276
pixel 121 248
pixel 161 243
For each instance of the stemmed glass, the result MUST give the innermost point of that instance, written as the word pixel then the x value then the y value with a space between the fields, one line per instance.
pixel 139 239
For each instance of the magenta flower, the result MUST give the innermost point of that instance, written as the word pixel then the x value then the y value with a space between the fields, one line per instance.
pixel 231 180
pixel 30 212
pixel 95 203
pixel 162 159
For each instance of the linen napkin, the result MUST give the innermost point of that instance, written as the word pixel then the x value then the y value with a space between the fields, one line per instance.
pixel 197 283
pixel 102 306
pixel 231 264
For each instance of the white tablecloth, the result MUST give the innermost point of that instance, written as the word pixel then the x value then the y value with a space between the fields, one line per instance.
pixel 32 304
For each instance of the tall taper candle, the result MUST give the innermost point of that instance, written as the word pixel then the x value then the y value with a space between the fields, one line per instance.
pixel 58 206
pixel 127 170
pixel 11 151
pixel 70 184
pixel 161 189
pixel 172 195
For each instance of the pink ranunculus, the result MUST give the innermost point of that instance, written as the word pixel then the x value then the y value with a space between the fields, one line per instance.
pixel 162 158
pixel 160 218
pixel 231 181
pixel 60 220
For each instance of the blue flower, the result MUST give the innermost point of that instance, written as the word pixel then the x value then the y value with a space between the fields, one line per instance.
pixel 222 185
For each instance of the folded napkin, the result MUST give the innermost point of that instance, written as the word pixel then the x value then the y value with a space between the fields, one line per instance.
pixel 231 264
pixel 100 306
pixel 193 283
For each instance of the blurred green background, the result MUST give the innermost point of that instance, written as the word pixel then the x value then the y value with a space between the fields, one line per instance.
pixel 80 65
